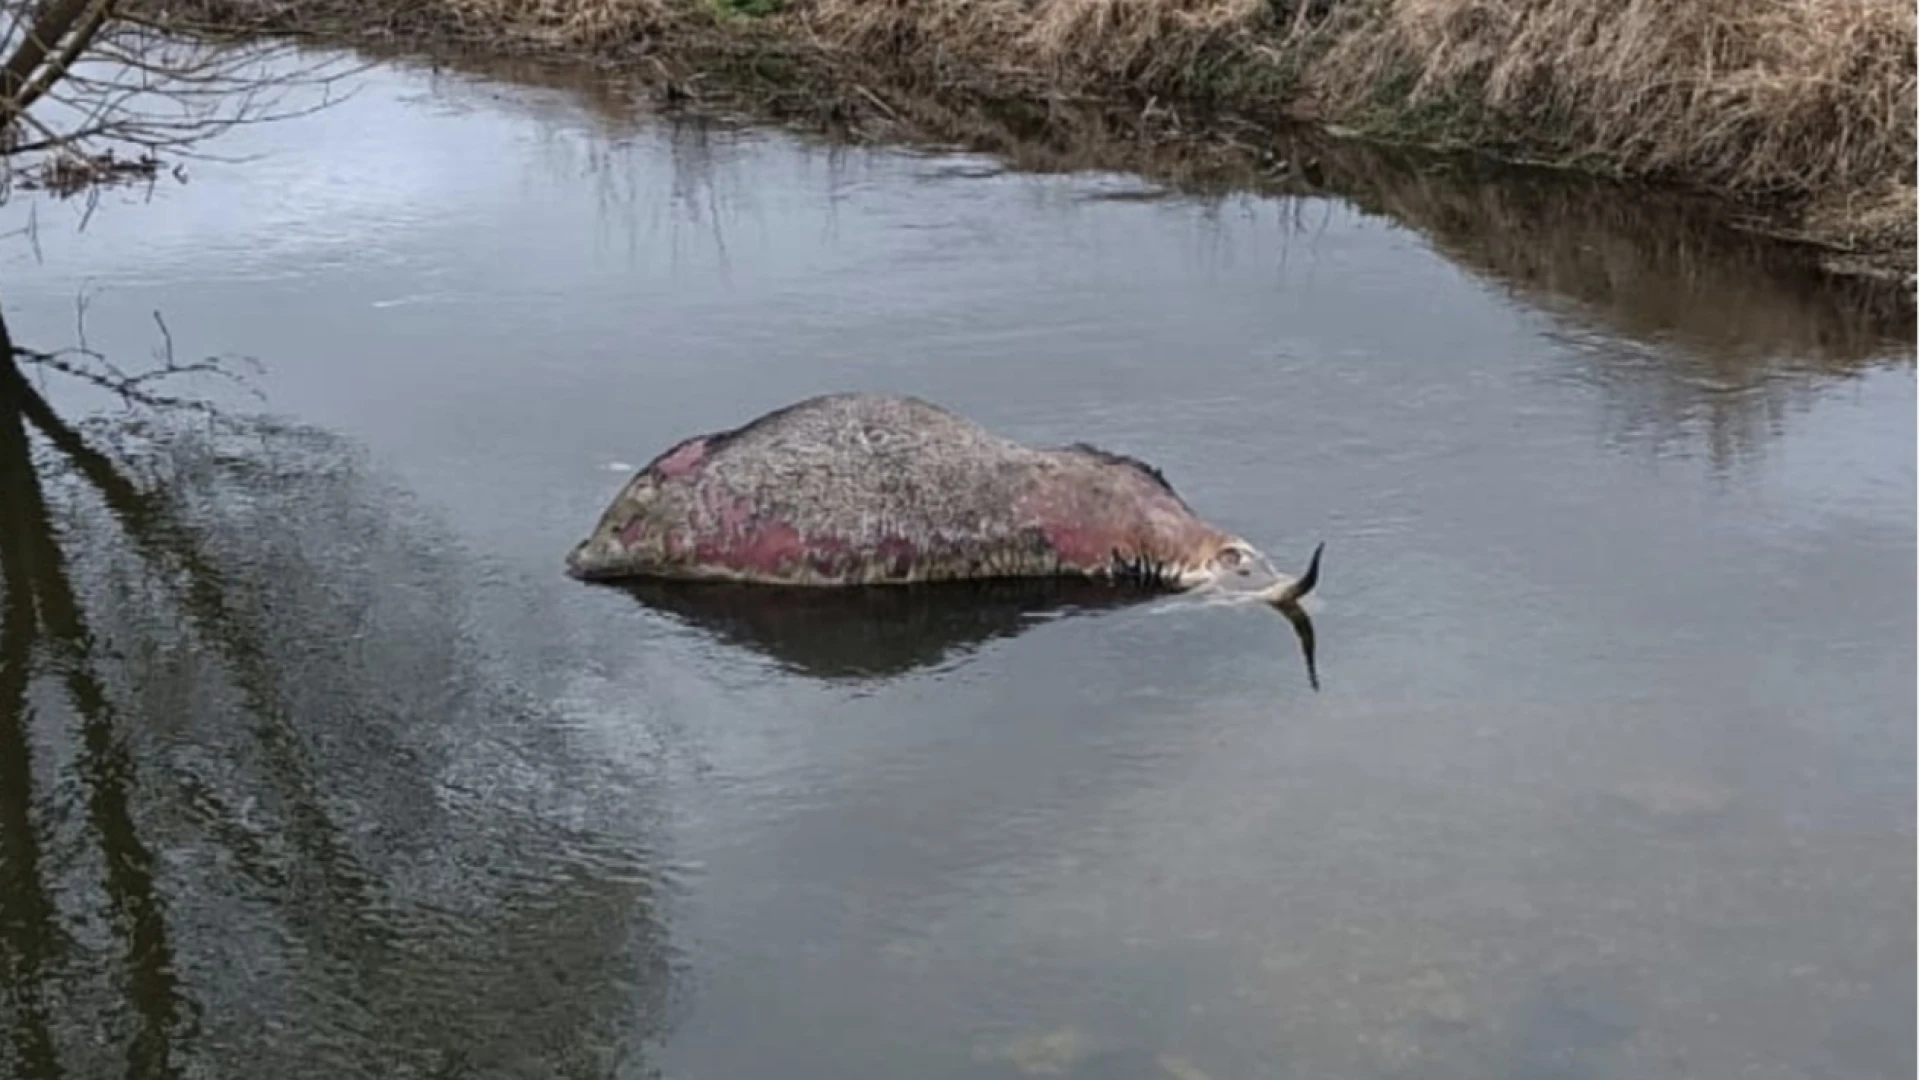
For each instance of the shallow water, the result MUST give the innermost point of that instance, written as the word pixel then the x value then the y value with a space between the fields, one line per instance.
pixel 316 765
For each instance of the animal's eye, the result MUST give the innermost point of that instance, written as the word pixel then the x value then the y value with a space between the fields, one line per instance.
pixel 1230 558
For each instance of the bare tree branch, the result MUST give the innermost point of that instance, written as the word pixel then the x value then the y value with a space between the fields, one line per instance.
pixel 17 103
pixel 50 24
pixel 91 95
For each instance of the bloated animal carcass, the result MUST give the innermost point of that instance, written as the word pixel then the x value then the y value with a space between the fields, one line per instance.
pixel 864 489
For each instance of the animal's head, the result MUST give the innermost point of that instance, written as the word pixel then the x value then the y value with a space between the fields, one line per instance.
pixel 1239 571
pixel 1230 564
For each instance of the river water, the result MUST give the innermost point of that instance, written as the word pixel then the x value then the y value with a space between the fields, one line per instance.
pixel 316 764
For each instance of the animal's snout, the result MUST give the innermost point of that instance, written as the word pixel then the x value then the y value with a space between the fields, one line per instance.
pixel 1242 570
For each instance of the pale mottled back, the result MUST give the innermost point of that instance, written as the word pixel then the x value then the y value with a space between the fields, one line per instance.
pixel 868 467
pixel 847 488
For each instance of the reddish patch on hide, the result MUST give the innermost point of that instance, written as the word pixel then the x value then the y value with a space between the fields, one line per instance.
pixel 682 460
pixel 633 532
pixel 768 549
pixel 736 538
pixel 1087 525
pixel 1081 533
pixel 1086 546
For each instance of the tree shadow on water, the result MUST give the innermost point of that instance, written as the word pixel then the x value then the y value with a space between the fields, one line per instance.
pixel 269 805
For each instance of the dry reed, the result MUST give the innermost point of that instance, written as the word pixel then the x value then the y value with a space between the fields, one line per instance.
pixel 1762 98
pixel 585 24
pixel 1156 46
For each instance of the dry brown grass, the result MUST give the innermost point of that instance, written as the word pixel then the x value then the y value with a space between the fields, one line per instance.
pixel 589 24
pixel 1143 41
pixel 514 27
pixel 1762 97
pixel 1160 46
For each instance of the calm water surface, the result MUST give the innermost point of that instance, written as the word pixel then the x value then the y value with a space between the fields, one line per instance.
pixel 316 765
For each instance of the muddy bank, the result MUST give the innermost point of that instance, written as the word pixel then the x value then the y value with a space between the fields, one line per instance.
pixel 1797 114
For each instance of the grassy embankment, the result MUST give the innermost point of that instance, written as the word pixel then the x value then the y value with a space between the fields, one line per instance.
pixel 1801 112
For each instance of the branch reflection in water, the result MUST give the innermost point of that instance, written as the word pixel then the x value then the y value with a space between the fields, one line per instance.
pixel 268 802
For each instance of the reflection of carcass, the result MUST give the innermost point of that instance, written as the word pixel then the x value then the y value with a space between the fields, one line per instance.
pixel 883 631
pixel 874 631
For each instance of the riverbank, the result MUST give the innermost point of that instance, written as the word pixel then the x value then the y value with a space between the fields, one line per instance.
pixel 1798 113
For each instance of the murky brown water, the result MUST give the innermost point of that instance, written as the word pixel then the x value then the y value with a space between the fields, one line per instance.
pixel 316 765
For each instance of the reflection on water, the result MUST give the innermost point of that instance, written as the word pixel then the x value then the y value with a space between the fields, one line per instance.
pixel 315 761
pixel 1657 268
pixel 871 632
pixel 1692 329
pixel 879 632
pixel 262 812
